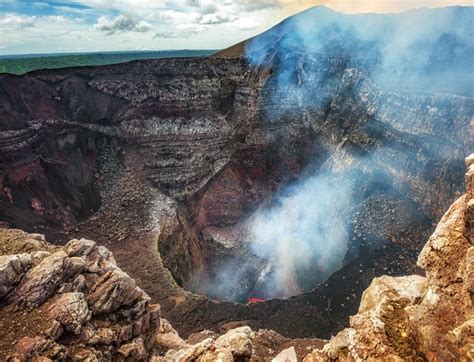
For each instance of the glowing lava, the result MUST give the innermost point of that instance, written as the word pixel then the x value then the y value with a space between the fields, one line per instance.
pixel 255 300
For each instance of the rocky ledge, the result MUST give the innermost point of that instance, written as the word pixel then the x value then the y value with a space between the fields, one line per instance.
pixel 414 317
pixel 74 303
pixel 70 302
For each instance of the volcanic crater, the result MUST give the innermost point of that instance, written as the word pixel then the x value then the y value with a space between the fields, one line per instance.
pixel 176 164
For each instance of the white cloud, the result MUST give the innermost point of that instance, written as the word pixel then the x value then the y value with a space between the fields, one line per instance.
pixel 246 24
pixel 209 9
pixel 178 17
pixel 184 34
pixel 59 19
pixel 182 24
pixel 16 21
pixel 121 23
pixel 212 19
pixel 251 5
pixel 159 24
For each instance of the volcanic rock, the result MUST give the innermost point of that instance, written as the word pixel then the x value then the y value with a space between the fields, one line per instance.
pixel 167 338
pixel 238 341
pixel 71 310
pixel 180 155
pixel 41 281
pixel 287 355
pixel 414 317
pixel 233 345
pixel 74 303
pixel 12 269
pixel 399 318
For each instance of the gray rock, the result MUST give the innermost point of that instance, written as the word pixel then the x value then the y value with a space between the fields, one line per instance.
pixel 12 269
pixel 113 290
pixel 41 281
pixel 287 355
pixel 71 310
pixel 79 247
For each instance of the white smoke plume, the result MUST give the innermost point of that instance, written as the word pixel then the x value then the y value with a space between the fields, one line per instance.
pixel 303 236
pixel 303 233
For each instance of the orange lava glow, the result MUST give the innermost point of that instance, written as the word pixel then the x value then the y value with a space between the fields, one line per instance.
pixel 255 300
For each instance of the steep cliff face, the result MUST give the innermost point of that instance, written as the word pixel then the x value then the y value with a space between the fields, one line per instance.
pixel 57 121
pixel 185 152
pixel 415 317
pixel 191 119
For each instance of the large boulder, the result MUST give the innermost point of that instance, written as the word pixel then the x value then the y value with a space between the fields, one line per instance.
pixel 71 310
pixel 41 281
pixel 234 345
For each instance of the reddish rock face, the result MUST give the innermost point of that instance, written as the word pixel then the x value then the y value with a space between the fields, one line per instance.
pixel 17 107
pixel 185 152
pixel 234 193
pixel 44 184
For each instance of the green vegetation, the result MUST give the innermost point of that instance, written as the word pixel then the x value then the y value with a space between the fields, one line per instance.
pixel 19 64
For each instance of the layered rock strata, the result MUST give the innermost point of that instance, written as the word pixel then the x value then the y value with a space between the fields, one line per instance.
pixel 100 152
pixel 73 302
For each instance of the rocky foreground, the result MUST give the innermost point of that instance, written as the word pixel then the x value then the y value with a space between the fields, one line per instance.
pixel 414 317
pixel 74 303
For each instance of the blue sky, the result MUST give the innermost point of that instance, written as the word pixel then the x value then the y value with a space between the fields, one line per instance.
pixel 43 26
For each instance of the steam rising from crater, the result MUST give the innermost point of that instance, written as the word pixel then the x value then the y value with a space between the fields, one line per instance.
pixel 319 56
pixel 425 49
pixel 303 234
pixel 297 242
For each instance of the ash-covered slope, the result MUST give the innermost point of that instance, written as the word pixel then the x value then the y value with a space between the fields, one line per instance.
pixel 401 50
pixel 208 157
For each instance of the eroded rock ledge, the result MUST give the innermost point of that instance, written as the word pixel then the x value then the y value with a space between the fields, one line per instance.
pixel 71 302
pixel 420 318
pixel 74 303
